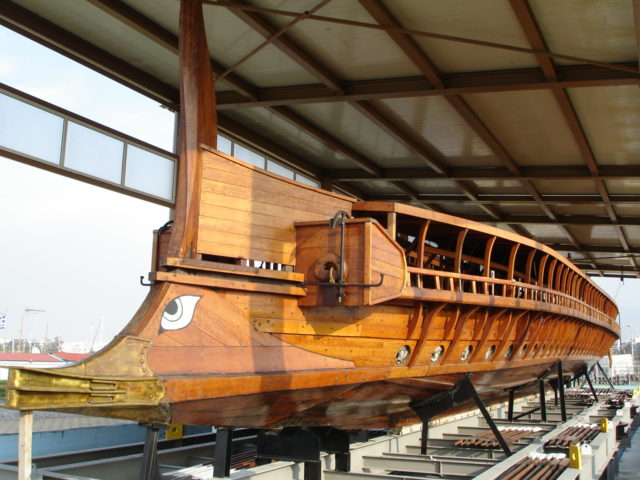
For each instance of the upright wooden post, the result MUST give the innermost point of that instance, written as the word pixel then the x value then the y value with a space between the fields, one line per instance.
pixel 25 436
pixel 391 225
pixel 198 125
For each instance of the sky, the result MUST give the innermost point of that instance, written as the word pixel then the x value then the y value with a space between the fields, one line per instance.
pixel 77 251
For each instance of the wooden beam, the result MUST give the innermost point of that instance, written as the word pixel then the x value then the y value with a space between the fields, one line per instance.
pixel 198 125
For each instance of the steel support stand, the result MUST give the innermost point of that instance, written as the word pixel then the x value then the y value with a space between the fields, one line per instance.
pixel 487 417
pixel 149 469
pixel 543 402
pixel 424 437
pixel 222 452
pixel 463 390
pixel 588 377
pixel 512 396
pixel 362 436
pixel 605 376
pixel 563 407
pixel 304 445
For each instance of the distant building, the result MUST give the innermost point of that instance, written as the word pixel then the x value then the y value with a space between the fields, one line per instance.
pixel 36 360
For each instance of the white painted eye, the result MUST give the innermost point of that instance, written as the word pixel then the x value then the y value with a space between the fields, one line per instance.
pixel 179 312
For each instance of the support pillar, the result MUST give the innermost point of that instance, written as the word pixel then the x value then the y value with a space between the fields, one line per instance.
pixel 512 396
pixel 222 452
pixel 149 468
pixel 563 407
pixel 588 377
pixel 424 437
pixel 605 376
pixel 25 438
pixel 543 402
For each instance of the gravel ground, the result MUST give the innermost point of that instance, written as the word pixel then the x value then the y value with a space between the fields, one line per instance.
pixel 7 415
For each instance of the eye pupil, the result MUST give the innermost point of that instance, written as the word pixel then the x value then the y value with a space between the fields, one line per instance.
pixel 171 308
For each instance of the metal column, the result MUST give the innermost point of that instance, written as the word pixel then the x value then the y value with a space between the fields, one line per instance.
pixel 543 403
pixel 424 437
pixel 563 407
pixel 149 469
pixel 222 452
pixel 512 396
pixel 587 376
pixel 605 376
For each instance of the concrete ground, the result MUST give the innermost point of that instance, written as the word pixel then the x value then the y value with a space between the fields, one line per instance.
pixel 629 466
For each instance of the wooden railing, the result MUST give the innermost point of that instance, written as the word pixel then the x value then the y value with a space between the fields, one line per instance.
pixel 442 280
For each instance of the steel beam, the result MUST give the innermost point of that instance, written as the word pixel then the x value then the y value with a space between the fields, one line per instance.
pixel 574 76
pixel 149 467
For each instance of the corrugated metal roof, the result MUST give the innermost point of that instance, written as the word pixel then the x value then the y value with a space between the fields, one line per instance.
pixel 491 98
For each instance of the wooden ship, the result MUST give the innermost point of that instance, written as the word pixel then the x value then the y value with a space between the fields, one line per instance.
pixel 278 304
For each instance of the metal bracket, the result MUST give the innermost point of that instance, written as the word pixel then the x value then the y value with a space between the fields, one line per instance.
pixel 142 282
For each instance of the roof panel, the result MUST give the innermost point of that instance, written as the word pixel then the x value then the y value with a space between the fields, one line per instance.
pixel 344 50
pixel 497 187
pixel 230 39
pixel 568 209
pixel 530 126
pixel 633 235
pixel 360 133
pixel 546 233
pixel 290 137
pixel 596 234
pixel 463 210
pixel 610 116
pixel 597 30
pixel 564 187
pixel 434 186
pixel 626 186
pixel 631 210
pixel 438 123
pixel 520 209
pixel 489 20
pixel 376 186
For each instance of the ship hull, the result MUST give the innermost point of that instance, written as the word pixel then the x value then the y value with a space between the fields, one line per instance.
pixel 370 405
pixel 223 369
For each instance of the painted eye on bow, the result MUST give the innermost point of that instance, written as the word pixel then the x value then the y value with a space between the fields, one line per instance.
pixel 179 312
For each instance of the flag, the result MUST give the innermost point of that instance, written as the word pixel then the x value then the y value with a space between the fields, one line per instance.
pixel 3 321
